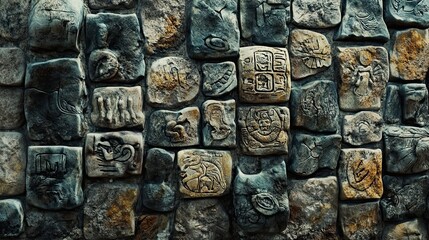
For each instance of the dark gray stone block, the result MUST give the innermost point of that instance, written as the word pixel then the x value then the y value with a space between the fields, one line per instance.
pixel 219 78
pixel 12 67
pixel 360 220
pixel 14 19
pixel 414 104
pixel 407 13
pixel 11 218
pixel 392 105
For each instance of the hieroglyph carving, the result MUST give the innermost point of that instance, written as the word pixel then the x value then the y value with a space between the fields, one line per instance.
pixel 219 78
pixel 316 14
pixel 219 123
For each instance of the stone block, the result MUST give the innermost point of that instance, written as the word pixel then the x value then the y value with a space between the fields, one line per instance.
pixel 219 78
pixel 11 218
pixel 154 226
pixel 360 220
pixel 14 19
pixel 412 229
pixel 13 162
pixel 407 13
pixel 219 129
pixel 392 105
pixel 12 108
pixel 414 98
pixel 111 4
pixel 362 128
pixel 12 66
pixel 316 14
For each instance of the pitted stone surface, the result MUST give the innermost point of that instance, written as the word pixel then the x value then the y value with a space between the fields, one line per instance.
pixel 414 104
pixel 11 218
pixel 360 220
pixel 12 108
pixel 392 105
pixel 219 78
pixel 362 128
pixel 12 66
pixel 12 163
pixel 219 129
pixel 412 229
pixel 407 13
pixel 111 4
pixel 316 14
pixel 14 19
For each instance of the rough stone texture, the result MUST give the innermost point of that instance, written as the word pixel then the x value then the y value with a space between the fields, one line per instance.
pixel 12 66
pixel 54 177
pixel 219 129
pixel 114 47
pixel 111 4
pixel 315 106
pixel 310 53
pixel 14 19
pixel 313 208
pixel 172 82
pixel 316 14
pixel 363 20
pixel 264 129
pixel 264 75
pixel 392 105
pixel 219 37
pixel 12 163
pixel 408 56
pixel 219 78
pixel 12 108
pixel 11 218
pixel 360 220
pixel 407 13
pixel 113 154
pixel 414 104
pixel 364 72
pixel 311 153
pixel 362 128
pixel 109 210
pixel 413 229
pixel 156 226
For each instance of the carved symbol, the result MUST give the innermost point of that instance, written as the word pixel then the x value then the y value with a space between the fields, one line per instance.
pixel 103 65
pixel 313 54
pixel 215 115
pixel 263 61
pixel 264 125
pixel 367 20
pixel 50 164
pixel 113 149
pixel 108 106
pixel 264 82
pixel 315 103
pixel 174 76
pixel 266 204
pixel 410 6
pixel 361 173
pixel 176 130
pixel 217 43
pixel 222 83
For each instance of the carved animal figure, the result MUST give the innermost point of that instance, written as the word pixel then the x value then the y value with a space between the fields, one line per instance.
pixel 176 130
pixel 114 149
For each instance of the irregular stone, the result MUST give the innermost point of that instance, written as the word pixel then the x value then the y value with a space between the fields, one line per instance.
pixel 109 210
pixel 117 107
pixel 55 99
pixel 359 174
pixel 219 37
pixel 315 107
pixel 362 128
pixel 310 53
pixel 159 188
pixel 219 123
pixel 156 227
pixel 310 153
pixel 114 48
pixel 260 200
pixel 111 4
pixel 54 177
pixel 113 154
pixel 264 129
pixel 204 173
pixel 172 82
pixel 264 75
pixel 414 103
pixel 360 220
pixel 14 19
pixel 219 78
pixel 313 208
pixel 12 66
pixel 201 219
pixel 12 163
pixel 12 108
pixel 364 73
pixel 363 20
pixel 413 229
pixel 55 25
pixel 404 197
pixel 408 56
pixel 316 14
pixel 11 218
pixel 392 107
pixel 174 129
pixel 407 13
pixel 407 149
pixel 260 19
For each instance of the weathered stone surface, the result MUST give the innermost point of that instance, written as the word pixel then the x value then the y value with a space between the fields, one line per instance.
pixel 219 78
pixel 360 220
pixel 172 82
pixel 392 105
pixel 313 208
pixel 12 108
pixel 204 173
pixel 315 107
pixel 154 226
pixel 55 100
pixel 117 107
pixel 310 53
pixel 113 154
pixel 14 19
pixel 363 20
pixel 408 56
pixel 219 129
pixel 219 36
pixel 364 73
pixel 109 210
pixel 264 129
pixel 362 128
pixel 359 174
pixel 174 129
pixel 265 22
pixel 413 229
pixel 111 4
pixel 159 188
pixel 316 14
pixel 310 153
pixel 201 219
pixel 12 66
pixel 12 163
pixel 114 47
pixel 260 200
pixel 55 25
pixel 54 177
pixel 414 103
pixel 11 218
pixel 407 13
pixel 264 75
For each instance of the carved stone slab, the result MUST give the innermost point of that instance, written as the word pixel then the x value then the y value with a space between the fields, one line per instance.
pixel 316 14
pixel 264 129
pixel 204 173
pixel 12 66
pixel 55 25
pixel 360 174
pixel 54 177
pixel 111 5
pixel 219 37
pixel 113 154
pixel 315 106
pixel 219 78
pixel 12 108
pixel 117 107
pixel 416 228
pixel 364 72
pixel 14 19
pixel 174 129
pixel 264 75
pixel 12 163
pixel 172 82
pixel 11 218
pixel 219 129
pixel 414 104
pixel 407 13
pixel 392 105
pixel 362 128
pixel 360 220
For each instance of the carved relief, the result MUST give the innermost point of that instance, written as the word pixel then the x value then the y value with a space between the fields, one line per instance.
pixel 362 128
pixel 219 123
pixel 316 14
pixel 219 78
pixel 408 12
pixel 414 104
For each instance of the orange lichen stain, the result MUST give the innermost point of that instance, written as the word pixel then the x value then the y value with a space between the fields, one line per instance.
pixel 171 33
pixel 150 225
pixel 119 211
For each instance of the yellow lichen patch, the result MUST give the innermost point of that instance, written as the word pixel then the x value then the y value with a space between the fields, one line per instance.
pixel 119 212
pixel 171 32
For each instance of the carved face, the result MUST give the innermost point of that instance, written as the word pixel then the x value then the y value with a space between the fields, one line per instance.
pixel 264 123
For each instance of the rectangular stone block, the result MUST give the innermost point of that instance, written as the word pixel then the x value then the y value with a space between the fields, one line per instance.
pixel 407 13
pixel 12 67
pixel 12 108
pixel 219 129
pixel 414 104
pixel 13 162
pixel 360 220
pixel 362 128
pixel 14 19
pixel 316 14
pixel 11 218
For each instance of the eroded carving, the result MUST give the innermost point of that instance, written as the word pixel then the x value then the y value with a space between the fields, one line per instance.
pixel 219 78
pixel 316 14
pixel 219 123
pixel 414 104
pixel 362 128
pixel 407 12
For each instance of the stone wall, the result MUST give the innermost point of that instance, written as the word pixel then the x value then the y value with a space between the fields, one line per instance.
pixel 214 119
